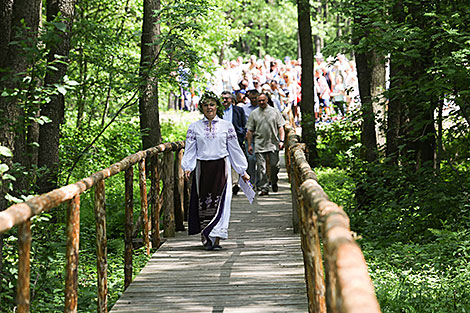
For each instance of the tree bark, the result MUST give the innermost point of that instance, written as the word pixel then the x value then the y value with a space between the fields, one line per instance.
pixel 395 116
pixel 6 9
pixel 318 39
pixel 364 76
pixel 419 131
pixel 13 15
pixel 148 102
pixel 377 88
pixel 13 127
pixel 49 133
pixel 439 149
pixel 307 103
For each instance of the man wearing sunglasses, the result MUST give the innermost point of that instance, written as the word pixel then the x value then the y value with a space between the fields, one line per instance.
pixel 235 115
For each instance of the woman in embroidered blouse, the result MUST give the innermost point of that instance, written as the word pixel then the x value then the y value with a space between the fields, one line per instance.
pixel 211 148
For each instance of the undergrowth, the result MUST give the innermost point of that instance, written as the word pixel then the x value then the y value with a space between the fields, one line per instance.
pixel 48 229
pixel 412 227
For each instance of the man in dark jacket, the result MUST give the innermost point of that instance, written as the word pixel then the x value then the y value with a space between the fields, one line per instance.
pixel 235 115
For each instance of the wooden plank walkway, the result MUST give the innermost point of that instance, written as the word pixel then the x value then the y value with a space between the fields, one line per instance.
pixel 260 268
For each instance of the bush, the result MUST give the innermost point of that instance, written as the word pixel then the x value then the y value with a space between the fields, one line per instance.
pixel 412 224
pixel 338 142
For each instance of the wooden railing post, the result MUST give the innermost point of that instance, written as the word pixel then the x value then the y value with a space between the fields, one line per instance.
pixel 155 201
pixel 294 196
pixel 23 284
pixel 315 250
pixel 144 204
pixel 179 191
pixel 73 245
pixel 307 257
pixel 129 224
pixel 312 259
pixel 101 247
pixel 168 184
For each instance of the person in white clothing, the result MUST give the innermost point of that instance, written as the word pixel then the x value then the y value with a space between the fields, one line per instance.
pixel 211 147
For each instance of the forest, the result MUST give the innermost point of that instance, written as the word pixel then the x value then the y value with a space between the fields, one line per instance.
pixel 83 84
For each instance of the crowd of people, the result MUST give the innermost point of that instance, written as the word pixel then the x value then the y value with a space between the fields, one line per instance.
pixel 335 83
pixel 242 130
pixel 227 143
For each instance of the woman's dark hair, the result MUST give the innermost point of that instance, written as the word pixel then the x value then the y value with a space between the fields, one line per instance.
pixel 210 96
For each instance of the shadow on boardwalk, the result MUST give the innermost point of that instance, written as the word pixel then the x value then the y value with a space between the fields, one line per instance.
pixel 260 268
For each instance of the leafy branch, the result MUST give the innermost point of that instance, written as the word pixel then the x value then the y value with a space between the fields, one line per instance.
pixel 128 103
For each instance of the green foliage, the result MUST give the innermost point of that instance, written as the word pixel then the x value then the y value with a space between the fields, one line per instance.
pixel 172 132
pixel 268 27
pixel 456 139
pixel 338 143
pixel 121 139
pixel 424 277
pixel 412 225
pixel 405 205
pixel 338 185
pixel 413 270
pixel 5 177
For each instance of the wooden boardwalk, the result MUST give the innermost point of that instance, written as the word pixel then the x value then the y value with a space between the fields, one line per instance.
pixel 260 268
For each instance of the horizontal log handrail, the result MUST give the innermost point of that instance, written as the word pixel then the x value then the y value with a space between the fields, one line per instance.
pixel 20 215
pixel 21 212
pixel 337 279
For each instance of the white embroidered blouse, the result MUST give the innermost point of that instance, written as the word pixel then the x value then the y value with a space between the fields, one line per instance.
pixel 219 141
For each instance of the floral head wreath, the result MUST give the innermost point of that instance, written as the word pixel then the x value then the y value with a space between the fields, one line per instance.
pixel 208 96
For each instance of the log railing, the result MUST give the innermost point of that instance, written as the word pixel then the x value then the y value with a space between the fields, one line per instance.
pixel 337 279
pixel 20 215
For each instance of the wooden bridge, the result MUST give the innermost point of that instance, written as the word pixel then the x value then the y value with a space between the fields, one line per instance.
pixel 260 268
pixel 265 265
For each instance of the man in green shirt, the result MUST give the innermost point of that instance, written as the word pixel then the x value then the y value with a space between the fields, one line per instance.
pixel 265 126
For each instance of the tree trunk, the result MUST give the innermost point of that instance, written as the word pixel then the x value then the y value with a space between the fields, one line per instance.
pixel 395 114
pixel 307 104
pixel 427 144
pixel 266 38
pixel 368 136
pixel 420 133
pixel 49 133
pixel 222 54
pixel 377 88
pixel 7 114
pixel 13 130
pixel 364 76
pixel 83 69
pixel 148 102
pixel 439 149
pixel 318 40
pixel 6 8
pixel 13 15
